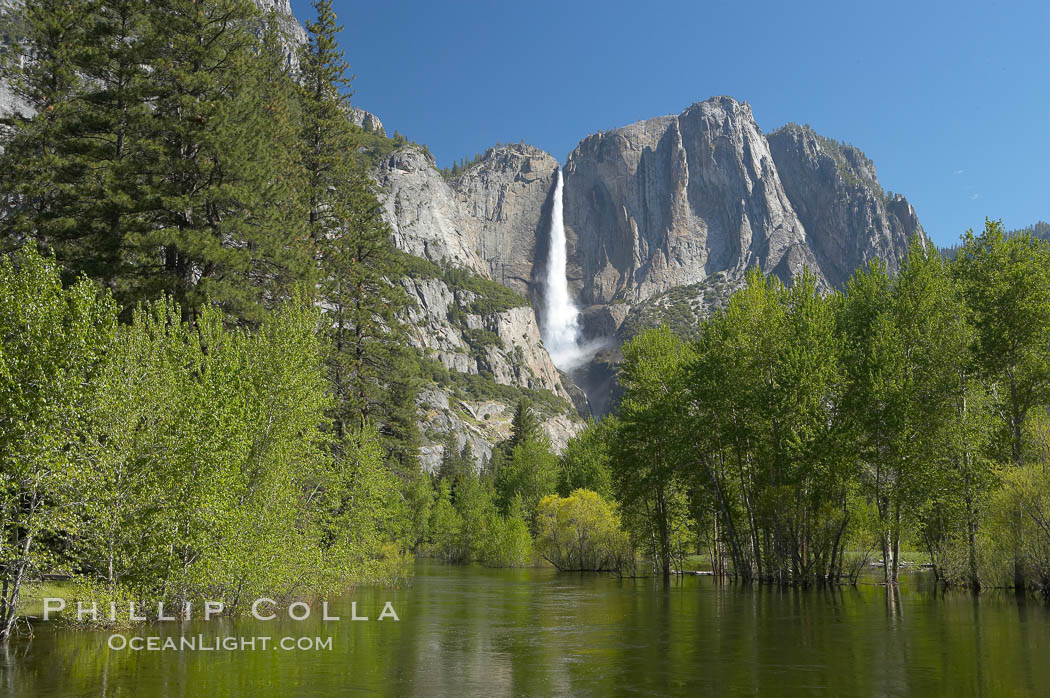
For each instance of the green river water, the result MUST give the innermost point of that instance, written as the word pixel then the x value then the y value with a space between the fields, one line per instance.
pixel 471 631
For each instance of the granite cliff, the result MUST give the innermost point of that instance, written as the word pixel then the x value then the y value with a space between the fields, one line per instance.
pixel 478 232
pixel 663 219
pixel 670 201
pixel 848 218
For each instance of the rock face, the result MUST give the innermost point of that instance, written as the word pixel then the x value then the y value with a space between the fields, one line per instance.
pixel 506 195
pixel 488 219
pixel 283 8
pixel 505 345
pixel 669 201
pixel 663 219
pixel 489 351
pixel 424 211
pixel 835 192
pixel 366 120
pixel 520 358
pixel 665 216
pixel 481 423
pixel 293 33
pixel 10 103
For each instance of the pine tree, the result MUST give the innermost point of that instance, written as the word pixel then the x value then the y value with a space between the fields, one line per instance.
pixel 372 372
pixel 162 153
pixel 327 136
pixel 213 152
pixel 283 253
pixel 467 457
pixel 525 426
pixel 451 465
pixel 114 117
pixel 72 169
pixel 39 171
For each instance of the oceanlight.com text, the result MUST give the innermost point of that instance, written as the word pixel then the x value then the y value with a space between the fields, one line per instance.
pixel 228 643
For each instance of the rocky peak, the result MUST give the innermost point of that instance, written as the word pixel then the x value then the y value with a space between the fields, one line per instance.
pixel 669 201
pixel 284 9
pixel 848 218
pixel 366 120
pixel 840 159
pixel 281 6
pixel 293 33
pixel 488 219
pixel 507 195
pixel 424 212
pixel 512 156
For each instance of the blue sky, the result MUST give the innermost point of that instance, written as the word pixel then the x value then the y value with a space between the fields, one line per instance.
pixel 950 99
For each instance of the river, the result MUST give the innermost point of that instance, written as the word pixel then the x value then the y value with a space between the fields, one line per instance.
pixel 466 631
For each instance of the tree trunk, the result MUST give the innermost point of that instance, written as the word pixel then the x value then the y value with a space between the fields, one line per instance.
pixel 12 592
pixel 734 542
pixel 971 539
pixel 884 540
pixel 665 533
pixel 896 541
pixel 1017 419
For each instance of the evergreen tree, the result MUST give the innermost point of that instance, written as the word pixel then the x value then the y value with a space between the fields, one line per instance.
pixel 451 463
pixel 530 472
pixel 158 157
pixel 525 426
pixel 213 160
pixel 283 252
pixel 466 456
pixel 372 370
pixel 109 135
pixel 40 171
pixel 327 138
pixel 586 461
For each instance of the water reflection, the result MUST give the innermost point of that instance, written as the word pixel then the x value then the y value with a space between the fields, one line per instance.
pixel 474 631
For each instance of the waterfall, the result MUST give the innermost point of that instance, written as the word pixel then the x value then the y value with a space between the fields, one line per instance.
pixel 561 330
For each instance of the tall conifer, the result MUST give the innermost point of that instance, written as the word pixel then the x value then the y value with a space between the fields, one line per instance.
pixel 161 155
pixel 214 157
pixel 39 172
pixel 370 366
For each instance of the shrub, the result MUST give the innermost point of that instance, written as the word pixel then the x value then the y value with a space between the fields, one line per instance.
pixel 581 532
